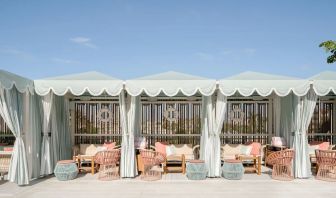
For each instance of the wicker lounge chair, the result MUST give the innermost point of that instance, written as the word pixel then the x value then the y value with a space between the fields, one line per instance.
pixel 5 158
pixel 108 161
pixel 326 161
pixel 282 164
pixel 151 161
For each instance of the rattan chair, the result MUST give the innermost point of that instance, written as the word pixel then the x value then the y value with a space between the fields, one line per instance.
pixel 326 163
pixel 108 162
pixel 151 161
pixel 282 164
pixel 4 164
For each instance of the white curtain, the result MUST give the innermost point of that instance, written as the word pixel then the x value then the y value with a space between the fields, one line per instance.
pixel 60 133
pixel 303 113
pixel 277 115
pixel 46 159
pixel 33 136
pixel 11 102
pixel 212 123
pixel 129 110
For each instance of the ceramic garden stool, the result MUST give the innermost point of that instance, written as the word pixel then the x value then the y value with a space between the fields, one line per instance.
pixel 66 170
pixel 233 169
pixel 196 170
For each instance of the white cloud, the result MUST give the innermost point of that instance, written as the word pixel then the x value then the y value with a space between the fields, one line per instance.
pixel 205 56
pixel 249 51
pixel 83 41
pixel 15 52
pixel 65 61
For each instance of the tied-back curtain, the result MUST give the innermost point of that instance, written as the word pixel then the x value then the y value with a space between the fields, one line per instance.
pixel 129 110
pixel 287 117
pixel 213 118
pixel 46 159
pixel 303 114
pixel 60 133
pixel 11 102
pixel 33 136
pixel 277 115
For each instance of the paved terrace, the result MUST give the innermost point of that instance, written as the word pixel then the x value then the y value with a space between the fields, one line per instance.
pixel 172 185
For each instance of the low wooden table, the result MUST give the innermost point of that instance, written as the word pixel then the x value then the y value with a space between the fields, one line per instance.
pixel 256 162
pixel 80 158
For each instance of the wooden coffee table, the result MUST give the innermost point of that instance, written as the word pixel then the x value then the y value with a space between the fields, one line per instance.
pixel 81 158
pixel 256 162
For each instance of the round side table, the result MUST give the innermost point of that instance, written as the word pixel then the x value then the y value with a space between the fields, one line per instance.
pixel 66 170
pixel 196 170
pixel 233 169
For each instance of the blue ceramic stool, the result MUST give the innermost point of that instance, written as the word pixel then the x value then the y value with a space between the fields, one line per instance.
pixel 233 169
pixel 66 170
pixel 196 170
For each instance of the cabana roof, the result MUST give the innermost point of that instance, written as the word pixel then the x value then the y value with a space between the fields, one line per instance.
pixel 324 83
pixel 93 82
pixel 247 83
pixel 170 84
pixel 8 80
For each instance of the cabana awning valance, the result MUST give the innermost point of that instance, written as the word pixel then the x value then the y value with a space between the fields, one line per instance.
pixel 170 84
pixel 248 83
pixel 8 80
pixel 94 83
pixel 324 83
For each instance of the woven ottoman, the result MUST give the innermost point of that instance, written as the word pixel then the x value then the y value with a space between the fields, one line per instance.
pixel 233 169
pixel 66 170
pixel 196 170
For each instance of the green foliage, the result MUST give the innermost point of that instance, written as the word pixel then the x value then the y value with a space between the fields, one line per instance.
pixel 330 47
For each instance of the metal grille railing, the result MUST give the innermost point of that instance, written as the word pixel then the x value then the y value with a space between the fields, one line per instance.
pixel 6 136
pixel 246 120
pixel 97 122
pixel 321 127
pixel 186 127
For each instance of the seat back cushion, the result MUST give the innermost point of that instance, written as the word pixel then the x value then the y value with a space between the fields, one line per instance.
pixel 322 145
pixel 183 149
pixel 109 145
pixel 256 148
pixel 231 149
pixel 88 149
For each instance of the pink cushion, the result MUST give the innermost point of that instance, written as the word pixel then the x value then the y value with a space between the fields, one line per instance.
pixel 8 148
pixel 322 145
pixel 109 145
pixel 160 147
pixel 256 148
pixel 278 141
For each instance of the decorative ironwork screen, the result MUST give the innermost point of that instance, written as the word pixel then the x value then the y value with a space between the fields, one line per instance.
pixel 97 122
pixel 246 120
pixel 171 120
pixel 6 136
pixel 321 127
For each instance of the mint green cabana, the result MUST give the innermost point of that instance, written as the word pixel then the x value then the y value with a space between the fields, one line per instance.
pixel 14 92
pixel 324 83
pixel 293 102
pixel 55 93
pixel 179 84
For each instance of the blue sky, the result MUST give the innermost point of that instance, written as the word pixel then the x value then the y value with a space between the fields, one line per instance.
pixel 127 39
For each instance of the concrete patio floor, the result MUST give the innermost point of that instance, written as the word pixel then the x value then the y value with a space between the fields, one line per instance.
pixel 171 185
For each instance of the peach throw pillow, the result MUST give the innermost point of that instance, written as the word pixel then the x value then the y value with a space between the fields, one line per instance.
pixel 256 148
pixel 160 147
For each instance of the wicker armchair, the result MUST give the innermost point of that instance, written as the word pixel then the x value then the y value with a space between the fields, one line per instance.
pixel 326 162
pixel 5 158
pixel 151 161
pixel 282 164
pixel 108 161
